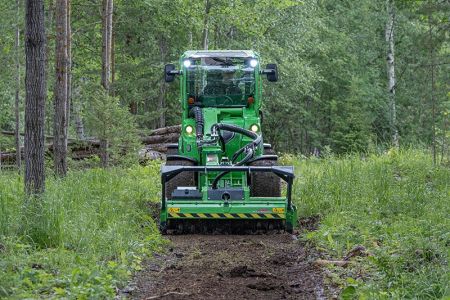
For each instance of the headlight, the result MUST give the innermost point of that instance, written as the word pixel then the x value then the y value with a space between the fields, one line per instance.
pixel 189 129
pixel 254 128
pixel 187 63
pixel 212 158
pixel 253 63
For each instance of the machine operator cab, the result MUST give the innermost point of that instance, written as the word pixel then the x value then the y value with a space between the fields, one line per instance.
pixel 220 78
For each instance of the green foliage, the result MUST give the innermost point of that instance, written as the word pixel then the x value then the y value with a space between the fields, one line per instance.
pixel 396 205
pixel 112 122
pixel 331 56
pixel 82 239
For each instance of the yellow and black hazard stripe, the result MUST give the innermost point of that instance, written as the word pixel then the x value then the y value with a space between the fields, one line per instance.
pixel 225 216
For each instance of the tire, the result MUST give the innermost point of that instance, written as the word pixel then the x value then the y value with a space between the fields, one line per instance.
pixel 265 184
pixel 172 151
pixel 182 179
pixel 269 151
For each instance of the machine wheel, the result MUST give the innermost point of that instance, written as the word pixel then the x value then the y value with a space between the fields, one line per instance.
pixel 269 151
pixel 265 184
pixel 182 179
pixel 172 150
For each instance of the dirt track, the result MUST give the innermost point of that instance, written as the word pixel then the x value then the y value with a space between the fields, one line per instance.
pixel 232 267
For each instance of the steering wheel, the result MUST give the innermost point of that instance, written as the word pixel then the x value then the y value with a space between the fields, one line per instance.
pixel 227 100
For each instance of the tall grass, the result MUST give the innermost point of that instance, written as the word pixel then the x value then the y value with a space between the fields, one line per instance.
pixel 82 238
pixel 89 231
pixel 397 205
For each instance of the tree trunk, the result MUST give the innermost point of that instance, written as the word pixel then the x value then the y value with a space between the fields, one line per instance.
pixel 162 95
pixel 36 93
pixel 162 85
pixel 190 39
pixel 106 43
pixel 77 114
pixel 432 88
pixel 106 67
pixel 60 121
pixel 133 107
pixel 206 24
pixel 17 99
pixel 113 57
pixel 389 35
pixel 49 16
pixel 69 64
pixel 79 126
pixel 105 56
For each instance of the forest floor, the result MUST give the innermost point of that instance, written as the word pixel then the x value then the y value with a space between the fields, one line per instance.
pixel 276 266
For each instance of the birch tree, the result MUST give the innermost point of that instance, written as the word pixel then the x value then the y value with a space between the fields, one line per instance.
pixel 206 25
pixel 106 66
pixel 390 43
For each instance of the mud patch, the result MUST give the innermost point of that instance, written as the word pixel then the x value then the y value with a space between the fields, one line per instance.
pixel 232 267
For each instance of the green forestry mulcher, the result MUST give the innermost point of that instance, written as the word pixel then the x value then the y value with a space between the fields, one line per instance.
pixel 221 177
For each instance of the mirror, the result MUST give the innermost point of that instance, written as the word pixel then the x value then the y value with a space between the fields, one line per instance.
pixel 272 72
pixel 169 75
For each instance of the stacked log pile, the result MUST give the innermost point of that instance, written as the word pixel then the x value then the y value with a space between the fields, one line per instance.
pixel 160 138
pixel 155 145
pixel 157 142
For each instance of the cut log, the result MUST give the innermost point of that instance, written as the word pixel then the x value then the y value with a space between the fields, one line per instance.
pixel 161 139
pixel 166 130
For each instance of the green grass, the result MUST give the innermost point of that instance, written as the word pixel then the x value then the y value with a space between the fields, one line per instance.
pixel 82 239
pixel 396 205
pixel 91 230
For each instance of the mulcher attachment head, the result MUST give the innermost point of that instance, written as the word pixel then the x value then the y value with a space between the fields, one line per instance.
pixel 208 211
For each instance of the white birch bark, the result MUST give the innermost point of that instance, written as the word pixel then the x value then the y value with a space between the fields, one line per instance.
pixel 390 42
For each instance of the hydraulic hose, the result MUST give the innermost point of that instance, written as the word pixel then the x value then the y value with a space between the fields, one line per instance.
pixel 248 149
pixel 256 138
pixel 247 157
pixel 197 113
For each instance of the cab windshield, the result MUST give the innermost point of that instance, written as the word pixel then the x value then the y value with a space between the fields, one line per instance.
pixel 221 81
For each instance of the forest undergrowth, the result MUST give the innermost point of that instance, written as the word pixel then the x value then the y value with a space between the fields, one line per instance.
pixel 396 206
pixel 89 232
pixel 83 238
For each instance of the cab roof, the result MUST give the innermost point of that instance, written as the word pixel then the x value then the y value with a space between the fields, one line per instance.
pixel 219 53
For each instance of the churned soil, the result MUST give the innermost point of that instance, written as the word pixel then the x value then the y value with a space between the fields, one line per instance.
pixel 275 266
